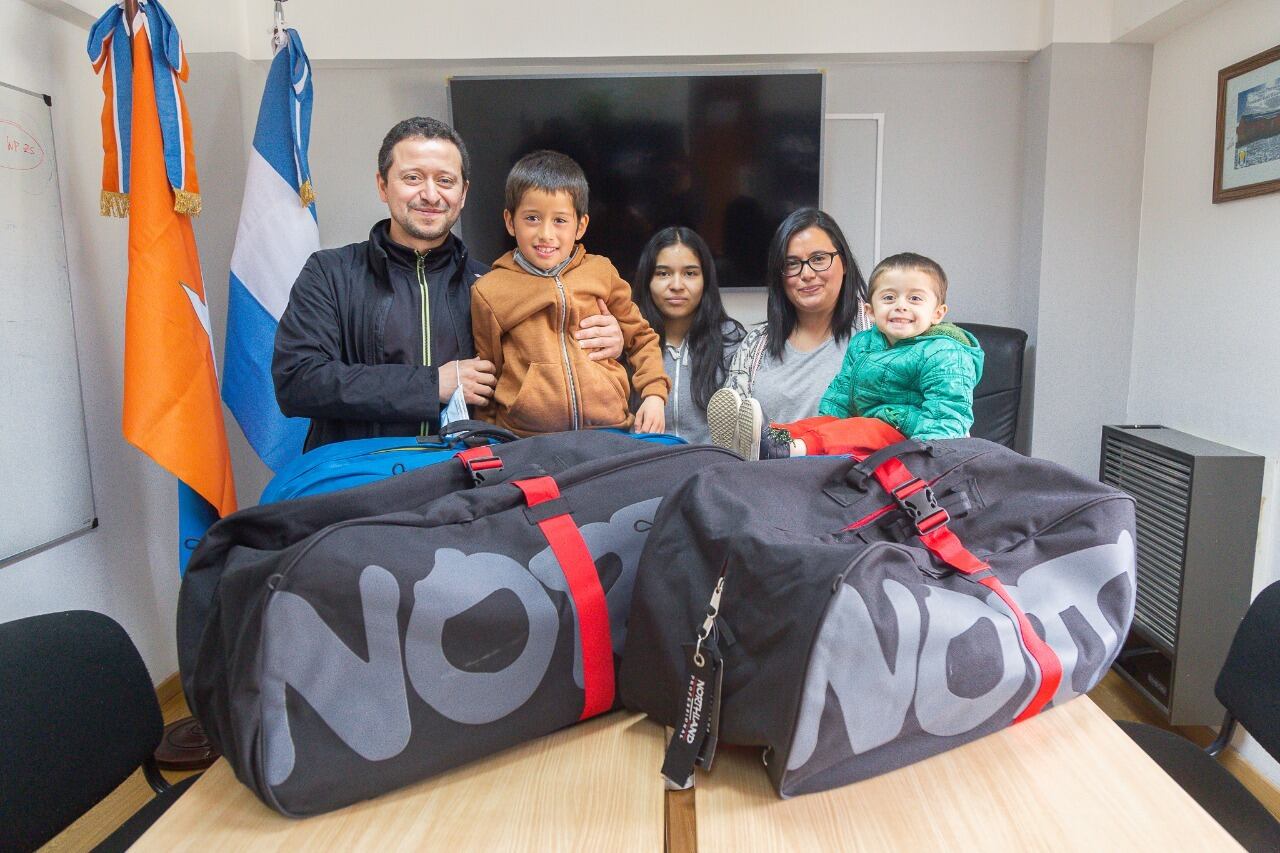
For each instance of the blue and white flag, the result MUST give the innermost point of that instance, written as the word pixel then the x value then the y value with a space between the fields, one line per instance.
pixel 277 233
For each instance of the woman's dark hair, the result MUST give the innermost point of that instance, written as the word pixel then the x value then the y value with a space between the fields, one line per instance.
pixel 782 314
pixel 706 337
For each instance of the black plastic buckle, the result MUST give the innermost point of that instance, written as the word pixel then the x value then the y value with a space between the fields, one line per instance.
pixel 921 507
pixel 477 465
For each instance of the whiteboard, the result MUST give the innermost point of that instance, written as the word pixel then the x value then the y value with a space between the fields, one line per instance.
pixel 45 492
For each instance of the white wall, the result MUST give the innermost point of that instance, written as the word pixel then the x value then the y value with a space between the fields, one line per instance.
pixel 1149 21
pixel 488 29
pixel 954 147
pixel 1090 194
pixel 1205 356
pixel 1074 21
pixel 127 568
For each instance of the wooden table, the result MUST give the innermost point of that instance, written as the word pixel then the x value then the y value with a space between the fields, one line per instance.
pixel 1068 779
pixel 594 787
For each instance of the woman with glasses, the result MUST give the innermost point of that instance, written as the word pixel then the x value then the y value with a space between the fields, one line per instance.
pixel 817 301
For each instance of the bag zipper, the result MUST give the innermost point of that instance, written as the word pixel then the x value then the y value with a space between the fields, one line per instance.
pixel 713 612
pixel 337 460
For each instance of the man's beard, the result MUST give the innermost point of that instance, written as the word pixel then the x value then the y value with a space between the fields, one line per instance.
pixel 418 232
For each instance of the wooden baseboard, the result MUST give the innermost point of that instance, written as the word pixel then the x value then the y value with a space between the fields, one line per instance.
pixel 1260 786
pixel 173 702
pixel 169 689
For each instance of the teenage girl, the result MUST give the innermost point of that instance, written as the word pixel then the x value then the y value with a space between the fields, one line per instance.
pixel 675 288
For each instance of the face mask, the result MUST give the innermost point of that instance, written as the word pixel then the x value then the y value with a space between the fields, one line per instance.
pixel 456 409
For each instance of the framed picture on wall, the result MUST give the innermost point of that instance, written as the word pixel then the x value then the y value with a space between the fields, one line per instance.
pixel 1248 146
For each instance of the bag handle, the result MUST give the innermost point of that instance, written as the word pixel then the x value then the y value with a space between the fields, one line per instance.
pixel 867 467
pixel 467 430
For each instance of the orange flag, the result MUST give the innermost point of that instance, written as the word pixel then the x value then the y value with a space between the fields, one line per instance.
pixel 172 410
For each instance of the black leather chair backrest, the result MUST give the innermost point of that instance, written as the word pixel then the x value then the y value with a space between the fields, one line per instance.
pixel 1249 684
pixel 78 715
pixel 999 393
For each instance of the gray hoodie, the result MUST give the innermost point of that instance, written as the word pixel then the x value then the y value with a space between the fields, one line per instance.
pixel 684 417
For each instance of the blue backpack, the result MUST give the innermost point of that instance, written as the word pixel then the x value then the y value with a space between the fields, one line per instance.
pixel 346 464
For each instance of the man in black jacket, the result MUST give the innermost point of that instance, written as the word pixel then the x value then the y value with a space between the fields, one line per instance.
pixel 377 335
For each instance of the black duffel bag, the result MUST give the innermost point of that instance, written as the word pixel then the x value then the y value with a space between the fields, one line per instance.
pixel 866 615
pixel 339 646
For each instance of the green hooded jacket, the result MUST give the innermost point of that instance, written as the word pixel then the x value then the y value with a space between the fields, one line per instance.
pixel 921 386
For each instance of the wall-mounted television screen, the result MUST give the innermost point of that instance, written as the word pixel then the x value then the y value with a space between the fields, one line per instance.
pixel 729 155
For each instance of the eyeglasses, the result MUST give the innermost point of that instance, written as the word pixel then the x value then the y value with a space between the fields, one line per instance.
pixel 818 262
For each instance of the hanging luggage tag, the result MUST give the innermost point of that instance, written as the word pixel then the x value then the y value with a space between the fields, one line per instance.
pixel 694 743
pixel 456 408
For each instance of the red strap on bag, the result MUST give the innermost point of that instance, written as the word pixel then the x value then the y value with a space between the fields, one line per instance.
pixel 915 498
pixel 588 596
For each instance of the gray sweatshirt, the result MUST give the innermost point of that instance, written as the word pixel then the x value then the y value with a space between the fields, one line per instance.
pixel 684 417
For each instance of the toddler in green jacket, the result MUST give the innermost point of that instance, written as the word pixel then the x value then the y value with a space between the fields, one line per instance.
pixel 911 372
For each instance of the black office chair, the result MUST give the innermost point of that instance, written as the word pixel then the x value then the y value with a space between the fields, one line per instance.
pixel 78 715
pixel 1249 688
pixel 999 392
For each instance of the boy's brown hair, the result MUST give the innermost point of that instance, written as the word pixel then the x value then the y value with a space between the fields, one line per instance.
pixel 551 172
pixel 911 261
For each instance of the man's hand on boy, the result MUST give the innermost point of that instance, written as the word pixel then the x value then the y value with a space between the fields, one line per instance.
pixel 478 380
pixel 600 333
pixel 651 416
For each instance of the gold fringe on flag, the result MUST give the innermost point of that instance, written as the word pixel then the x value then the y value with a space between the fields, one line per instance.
pixel 113 204
pixel 187 203
pixel 306 193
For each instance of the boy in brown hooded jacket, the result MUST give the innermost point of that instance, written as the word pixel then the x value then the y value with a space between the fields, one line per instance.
pixel 524 310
